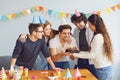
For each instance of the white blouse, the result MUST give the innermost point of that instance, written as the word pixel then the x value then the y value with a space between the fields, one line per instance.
pixel 96 53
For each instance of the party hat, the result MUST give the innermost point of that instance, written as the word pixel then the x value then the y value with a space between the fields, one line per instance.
pixel 68 74
pixel 42 21
pixel 35 20
pixel 58 73
pixel 4 76
pixel 16 74
pixel 63 22
pixel 77 73
pixel 77 13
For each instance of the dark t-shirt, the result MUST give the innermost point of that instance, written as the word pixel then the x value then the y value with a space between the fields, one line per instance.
pixel 27 52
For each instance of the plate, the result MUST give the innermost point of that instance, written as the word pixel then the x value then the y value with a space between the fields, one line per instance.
pixel 52 77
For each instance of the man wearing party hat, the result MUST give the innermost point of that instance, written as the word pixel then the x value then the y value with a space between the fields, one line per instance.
pixel 25 53
pixel 60 43
pixel 83 36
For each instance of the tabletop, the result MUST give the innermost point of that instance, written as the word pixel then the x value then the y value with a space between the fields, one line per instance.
pixel 43 75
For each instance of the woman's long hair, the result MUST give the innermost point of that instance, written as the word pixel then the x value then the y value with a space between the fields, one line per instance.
pixel 100 28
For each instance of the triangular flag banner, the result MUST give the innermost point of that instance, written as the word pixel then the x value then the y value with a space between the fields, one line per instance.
pixel 113 8
pixel 49 11
pixel 98 12
pixel 68 74
pixel 33 9
pixel 103 11
pixel 28 11
pixel 24 13
pixel 45 10
pixel 108 10
pixel 4 18
pixel 67 15
pixel 88 14
pixel 14 16
pixel 56 14
pixel 40 8
pixel 118 6
pixel 61 14
pixel 9 17
pixel 36 8
pixel 19 14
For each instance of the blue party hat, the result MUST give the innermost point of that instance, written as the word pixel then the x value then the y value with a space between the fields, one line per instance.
pixel 68 74
pixel 35 20
pixel 42 21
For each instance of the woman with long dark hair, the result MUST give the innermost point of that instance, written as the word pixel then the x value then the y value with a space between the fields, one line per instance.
pixel 100 49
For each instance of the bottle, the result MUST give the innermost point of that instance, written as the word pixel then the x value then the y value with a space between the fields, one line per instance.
pixel 26 72
pixel 58 73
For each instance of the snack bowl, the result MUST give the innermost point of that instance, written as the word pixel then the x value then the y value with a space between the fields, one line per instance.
pixel 52 77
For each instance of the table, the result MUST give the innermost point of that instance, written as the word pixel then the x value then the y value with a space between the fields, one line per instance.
pixel 43 74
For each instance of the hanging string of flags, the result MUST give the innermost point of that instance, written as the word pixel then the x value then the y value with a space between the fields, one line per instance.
pixel 52 12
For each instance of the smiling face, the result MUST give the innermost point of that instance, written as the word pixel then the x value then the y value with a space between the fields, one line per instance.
pixel 47 30
pixel 80 25
pixel 38 33
pixel 65 34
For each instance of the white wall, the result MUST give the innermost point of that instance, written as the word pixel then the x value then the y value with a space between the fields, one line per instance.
pixel 10 30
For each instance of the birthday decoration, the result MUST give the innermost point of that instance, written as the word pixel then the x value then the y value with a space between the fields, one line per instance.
pixel 68 74
pixel 77 74
pixel 35 20
pixel 59 73
pixel 4 76
pixel 63 21
pixel 16 76
pixel 50 12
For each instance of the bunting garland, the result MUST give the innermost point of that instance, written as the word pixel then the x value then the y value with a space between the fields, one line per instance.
pixel 52 12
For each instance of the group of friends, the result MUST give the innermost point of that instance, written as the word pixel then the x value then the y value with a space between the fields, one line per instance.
pixel 45 48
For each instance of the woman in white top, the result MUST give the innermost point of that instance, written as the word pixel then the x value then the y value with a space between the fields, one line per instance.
pixel 100 50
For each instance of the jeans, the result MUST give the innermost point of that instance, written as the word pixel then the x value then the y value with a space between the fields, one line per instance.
pixel 84 63
pixel 105 73
pixel 63 65
pixel 40 63
pixel 16 67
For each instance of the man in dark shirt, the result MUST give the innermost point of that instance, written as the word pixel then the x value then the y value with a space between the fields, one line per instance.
pixel 83 36
pixel 25 53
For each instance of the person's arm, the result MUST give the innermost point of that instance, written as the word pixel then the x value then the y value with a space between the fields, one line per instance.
pixel 46 53
pixel 55 56
pixel 49 60
pixel 11 71
pixel 53 51
pixel 97 43
pixel 13 61
pixel 17 50
pixel 16 53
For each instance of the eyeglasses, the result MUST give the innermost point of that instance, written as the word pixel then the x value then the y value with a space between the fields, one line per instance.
pixel 39 31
